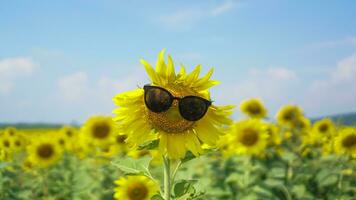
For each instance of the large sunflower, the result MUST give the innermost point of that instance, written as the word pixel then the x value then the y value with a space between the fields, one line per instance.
pixel 176 134
pixel 135 188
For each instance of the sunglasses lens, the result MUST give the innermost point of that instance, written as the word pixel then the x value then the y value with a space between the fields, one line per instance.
pixel 192 108
pixel 157 100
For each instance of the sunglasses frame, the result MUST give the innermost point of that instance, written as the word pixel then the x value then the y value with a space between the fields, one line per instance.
pixel 179 99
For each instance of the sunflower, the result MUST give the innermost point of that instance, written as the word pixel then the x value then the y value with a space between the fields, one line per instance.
pixel 248 137
pixel 63 141
pixel 289 115
pixel 10 132
pixel 6 143
pixel 99 130
pixel 176 134
pixel 135 188
pixel 44 152
pixel 323 129
pixel 274 136
pixel 69 132
pixel 253 108
pixel 345 142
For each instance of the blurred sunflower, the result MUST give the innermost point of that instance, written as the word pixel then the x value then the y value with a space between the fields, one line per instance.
pixel 135 188
pixel 345 142
pixel 274 136
pixel 99 130
pixel 69 132
pixel 63 141
pixel 302 125
pixel 253 108
pixel 10 132
pixel 323 129
pixel 248 137
pixel 288 115
pixel 5 143
pixel 174 108
pixel 44 152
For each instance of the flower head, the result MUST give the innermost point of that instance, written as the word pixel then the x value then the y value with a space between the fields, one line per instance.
pixel 135 188
pixel 175 108
pixel 248 137
pixel 44 152
pixel 253 108
pixel 345 142
pixel 289 115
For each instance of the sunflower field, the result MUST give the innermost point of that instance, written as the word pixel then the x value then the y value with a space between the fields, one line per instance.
pixel 169 141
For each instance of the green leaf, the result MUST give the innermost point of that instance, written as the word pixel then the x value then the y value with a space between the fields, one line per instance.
pixel 4 165
pixel 134 166
pixel 277 172
pixel 298 191
pixel 149 145
pixel 326 178
pixel 289 157
pixel 188 156
pixel 157 197
pixel 183 187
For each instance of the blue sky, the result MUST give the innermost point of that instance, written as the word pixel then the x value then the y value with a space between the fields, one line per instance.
pixel 62 61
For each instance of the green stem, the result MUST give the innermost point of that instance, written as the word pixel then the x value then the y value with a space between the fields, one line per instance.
pixel 176 170
pixel 167 178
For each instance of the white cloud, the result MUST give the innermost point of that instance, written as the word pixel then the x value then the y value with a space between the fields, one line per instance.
pixel 275 86
pixel 337 91
pixel 186 18
pixel 93 95
pixel 74 87
pixel 347 41
pixel 11 69
pixel 223 8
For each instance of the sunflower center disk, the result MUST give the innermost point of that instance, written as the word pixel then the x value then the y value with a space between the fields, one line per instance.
pixel 101 131
pixel 323 128
pixel 137 191
pixel 249 137
pixel 254 109
pixel 169 121
pixel 349 141
pixel 45 151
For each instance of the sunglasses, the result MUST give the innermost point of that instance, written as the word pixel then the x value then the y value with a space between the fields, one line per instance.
pixel 191 108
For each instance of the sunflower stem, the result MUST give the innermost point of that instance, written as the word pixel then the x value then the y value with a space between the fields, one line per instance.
pixel 167 178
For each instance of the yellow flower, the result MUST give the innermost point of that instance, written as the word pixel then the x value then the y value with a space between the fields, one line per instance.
pixel 44 152
pixel 99 131
pixel 10 132
pixel 248 137
pixel 288 115
pixel 253 108
pixel 69 132
pixel 303 125
pixel 176 133
pixel 345 142
pixel 135 188
pixel 63 141
pixel 274 136
pixel 323 129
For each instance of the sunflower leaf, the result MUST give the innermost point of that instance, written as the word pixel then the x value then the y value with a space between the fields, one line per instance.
pixel 134 166
pixel 149 145
pixel 188 156
pixel 157 197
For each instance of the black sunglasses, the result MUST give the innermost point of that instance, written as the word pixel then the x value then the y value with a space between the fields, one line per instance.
pixel 191 108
